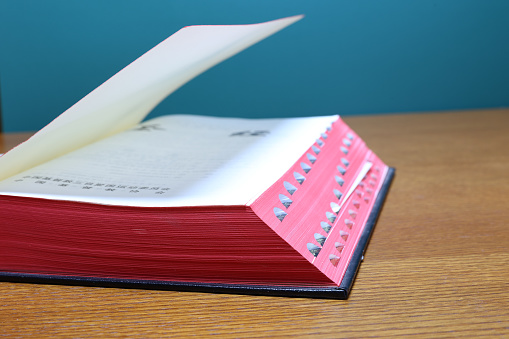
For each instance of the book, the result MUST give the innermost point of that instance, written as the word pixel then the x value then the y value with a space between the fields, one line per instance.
pixel 100 197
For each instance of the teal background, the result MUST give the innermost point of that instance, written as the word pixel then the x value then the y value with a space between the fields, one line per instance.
pixel 345 57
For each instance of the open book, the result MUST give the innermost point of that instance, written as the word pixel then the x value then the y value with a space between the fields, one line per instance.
pixel 195 203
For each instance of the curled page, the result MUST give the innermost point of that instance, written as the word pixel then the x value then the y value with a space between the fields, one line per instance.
pixel 126 98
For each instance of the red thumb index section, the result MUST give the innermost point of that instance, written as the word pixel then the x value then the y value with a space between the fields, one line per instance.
pixel 320 206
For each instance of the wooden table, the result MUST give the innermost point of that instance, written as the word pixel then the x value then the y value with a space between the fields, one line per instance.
pixel 437 264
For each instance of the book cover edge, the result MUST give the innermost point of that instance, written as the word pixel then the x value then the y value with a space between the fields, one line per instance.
pixel 358 254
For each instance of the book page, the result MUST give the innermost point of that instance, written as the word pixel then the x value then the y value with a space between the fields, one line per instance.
pixel 126 98
pixel 178 160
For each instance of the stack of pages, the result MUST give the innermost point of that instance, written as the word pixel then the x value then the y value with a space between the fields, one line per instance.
pixel 195 203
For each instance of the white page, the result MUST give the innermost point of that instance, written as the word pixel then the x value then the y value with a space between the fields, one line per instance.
pixel 178 160
pixel 126 98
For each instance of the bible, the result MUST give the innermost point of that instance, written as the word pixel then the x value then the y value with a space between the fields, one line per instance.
pixel 102 197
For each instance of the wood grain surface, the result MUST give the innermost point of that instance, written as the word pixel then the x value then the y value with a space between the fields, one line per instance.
pixel 437 264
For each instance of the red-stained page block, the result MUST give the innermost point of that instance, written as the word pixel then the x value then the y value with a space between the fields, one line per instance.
pixel 321 204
